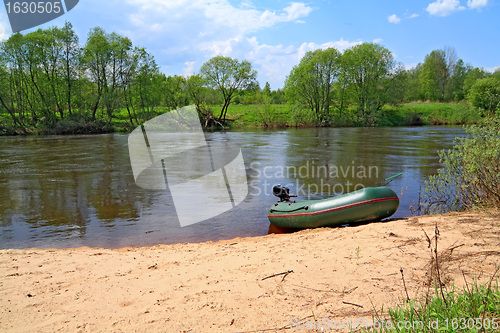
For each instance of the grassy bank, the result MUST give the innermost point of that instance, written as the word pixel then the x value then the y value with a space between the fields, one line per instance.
pixel 409 114
pixel 78 124
pixel 442 113
pixel 268 116
pixel 473 309
pixel 444 307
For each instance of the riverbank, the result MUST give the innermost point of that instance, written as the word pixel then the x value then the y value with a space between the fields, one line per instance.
pixel 241 117
pixel 336 274
pixel 405 114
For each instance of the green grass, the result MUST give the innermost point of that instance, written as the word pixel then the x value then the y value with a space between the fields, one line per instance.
pixel 279 116
pixel 409 114
pixel 258 115
pixel 474 309
pixel 442 113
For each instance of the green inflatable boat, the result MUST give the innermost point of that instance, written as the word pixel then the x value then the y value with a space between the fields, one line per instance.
pixel 367 204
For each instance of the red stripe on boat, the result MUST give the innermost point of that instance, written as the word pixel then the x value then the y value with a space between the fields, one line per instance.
pixel 335 208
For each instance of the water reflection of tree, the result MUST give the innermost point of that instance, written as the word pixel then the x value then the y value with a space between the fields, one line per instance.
pixel 63 183
pixel 361 155
pixel 110 189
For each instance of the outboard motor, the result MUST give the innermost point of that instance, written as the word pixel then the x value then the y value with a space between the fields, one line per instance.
pixel 282 192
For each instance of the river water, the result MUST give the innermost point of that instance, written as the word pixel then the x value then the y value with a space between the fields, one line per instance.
pixel 70 191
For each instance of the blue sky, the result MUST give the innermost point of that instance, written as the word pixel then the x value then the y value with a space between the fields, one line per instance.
pixel 275 34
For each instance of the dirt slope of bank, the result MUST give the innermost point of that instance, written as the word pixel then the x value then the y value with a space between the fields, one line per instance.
pixel 333 274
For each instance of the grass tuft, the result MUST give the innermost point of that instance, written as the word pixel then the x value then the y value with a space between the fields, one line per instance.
pixel 476 308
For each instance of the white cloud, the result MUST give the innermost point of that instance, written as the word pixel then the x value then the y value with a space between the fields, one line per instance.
pixel 472 4
pixel 444 7
pixel 5 30
pixel 194 31
pixel 414 15
pixel 492 69
pixel 247 4
pixel 218 14
pixel 394 19
pixel 273 62
pixel 189 69
pixel 340 45
pixel 200 29
pixel 409 66
pixel 297 10
pixel 221 47
pixel 276 62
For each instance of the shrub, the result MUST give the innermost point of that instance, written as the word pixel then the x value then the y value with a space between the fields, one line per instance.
pixel 269 116
pixel 78 125
pixel 485 94
pixel 473 309
pixel 470 176
pixel 302 117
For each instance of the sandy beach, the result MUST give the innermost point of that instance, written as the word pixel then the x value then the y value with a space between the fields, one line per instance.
pixel 330 274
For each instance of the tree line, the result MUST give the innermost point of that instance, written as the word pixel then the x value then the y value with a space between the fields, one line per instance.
pixel 47 80
pixel 366 77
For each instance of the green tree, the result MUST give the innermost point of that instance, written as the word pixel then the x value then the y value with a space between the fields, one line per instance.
pixel 146 83
pixel 33 64
pixel 128 62
pixel 366 67
pixel 39 47
pixel 120 74
pixel 278 96
pixel 7 96
pixel 139 81
pixel 496 74
pixel 432 76
pixel 120 49
pixel 344 92
pixel 228 76
pixel 311 82
pixel 14 92
pixel 196 90
pixel 413 91
pixel 251 95
pixel 97 57
pixel 485 94
pixel 395 85
pixel 267 89
pixel 71 55
pixel 457 81
pixel 46 75
pixel 175 90
pixel 473 74
pixel 436 73
pixel 452 62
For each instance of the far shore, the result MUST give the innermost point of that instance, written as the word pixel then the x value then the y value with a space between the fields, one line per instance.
pixel 254 284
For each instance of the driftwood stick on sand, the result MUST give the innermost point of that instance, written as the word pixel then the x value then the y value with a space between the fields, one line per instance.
pixel 277 274
pixel 349 303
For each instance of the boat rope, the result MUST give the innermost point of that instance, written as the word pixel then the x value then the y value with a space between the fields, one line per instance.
pixel 288 211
